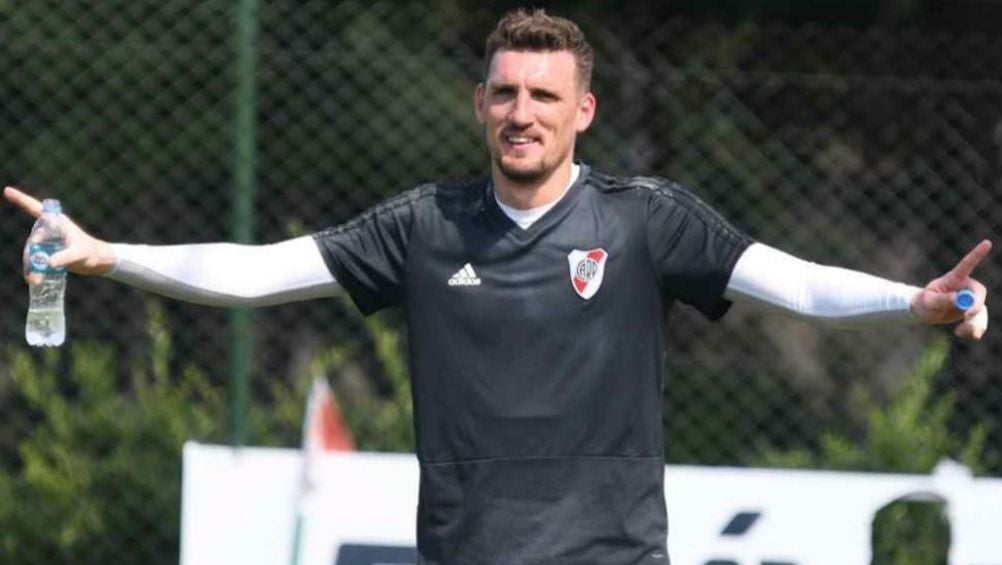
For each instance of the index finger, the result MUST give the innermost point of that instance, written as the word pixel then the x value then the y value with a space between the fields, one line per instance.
pixel 967 265
pixel 23 201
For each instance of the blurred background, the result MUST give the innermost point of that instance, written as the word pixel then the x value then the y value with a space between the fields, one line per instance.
pixel 862 134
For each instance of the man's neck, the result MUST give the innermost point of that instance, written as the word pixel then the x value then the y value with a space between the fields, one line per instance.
pixel 528 216
pixel 532 195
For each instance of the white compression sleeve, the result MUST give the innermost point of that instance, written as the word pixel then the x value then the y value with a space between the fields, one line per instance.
pixel 227 274
pixel 779 281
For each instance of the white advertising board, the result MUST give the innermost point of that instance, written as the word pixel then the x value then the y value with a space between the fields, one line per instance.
pixel 239 506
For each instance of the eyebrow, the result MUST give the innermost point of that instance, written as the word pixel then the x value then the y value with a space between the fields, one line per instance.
pixel 506 86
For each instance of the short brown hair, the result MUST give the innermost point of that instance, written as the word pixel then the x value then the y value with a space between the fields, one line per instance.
pixel 523 30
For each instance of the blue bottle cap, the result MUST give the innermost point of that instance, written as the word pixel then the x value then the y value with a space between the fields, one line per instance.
pixel 965 299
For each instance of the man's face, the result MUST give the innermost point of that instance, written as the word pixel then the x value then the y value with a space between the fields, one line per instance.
pixel 532 108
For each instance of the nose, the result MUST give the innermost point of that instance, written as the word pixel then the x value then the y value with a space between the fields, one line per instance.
pixel 520 114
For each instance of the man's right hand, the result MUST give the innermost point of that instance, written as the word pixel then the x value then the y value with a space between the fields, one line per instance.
pixel 84 254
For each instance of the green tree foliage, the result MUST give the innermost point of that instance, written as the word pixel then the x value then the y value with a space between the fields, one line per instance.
pixel 378 420
pixel 98 478
pixel 911 433
pixel 385 422
pixel 101 465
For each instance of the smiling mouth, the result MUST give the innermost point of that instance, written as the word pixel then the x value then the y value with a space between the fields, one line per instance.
pixel 518 140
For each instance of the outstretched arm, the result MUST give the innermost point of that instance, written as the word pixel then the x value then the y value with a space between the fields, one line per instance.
pixel 843 297
pixel 227 274
pixel 215 274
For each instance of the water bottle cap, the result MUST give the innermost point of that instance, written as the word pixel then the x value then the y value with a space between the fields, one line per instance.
pixel 51 205
pixel 965 299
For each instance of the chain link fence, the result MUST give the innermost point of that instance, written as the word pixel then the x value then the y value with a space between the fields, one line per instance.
pixel 873 148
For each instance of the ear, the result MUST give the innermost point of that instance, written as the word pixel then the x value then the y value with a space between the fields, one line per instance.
pixel 586 111
pixel 478 102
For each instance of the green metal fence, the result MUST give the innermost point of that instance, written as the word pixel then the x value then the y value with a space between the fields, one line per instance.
pixel 180 121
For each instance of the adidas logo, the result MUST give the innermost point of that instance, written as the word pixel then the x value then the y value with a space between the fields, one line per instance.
pixel 465 277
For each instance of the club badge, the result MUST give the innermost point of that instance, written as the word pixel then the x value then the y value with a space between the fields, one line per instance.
pixel 587 270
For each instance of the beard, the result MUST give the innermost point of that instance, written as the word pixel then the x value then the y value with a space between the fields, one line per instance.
pixel 523 175
pixel 526 173
pixel 523 172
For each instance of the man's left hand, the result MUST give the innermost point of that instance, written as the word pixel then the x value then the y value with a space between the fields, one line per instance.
pixel 936 303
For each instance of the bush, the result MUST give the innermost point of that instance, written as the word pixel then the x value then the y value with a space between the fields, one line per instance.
pixel 98 478
pixel 101 467
pixel 911 434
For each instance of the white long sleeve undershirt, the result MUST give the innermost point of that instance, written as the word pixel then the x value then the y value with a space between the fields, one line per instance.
pixel 778 281
pixel 225 274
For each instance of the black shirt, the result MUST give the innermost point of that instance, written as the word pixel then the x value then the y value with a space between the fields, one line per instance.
pixel 536 358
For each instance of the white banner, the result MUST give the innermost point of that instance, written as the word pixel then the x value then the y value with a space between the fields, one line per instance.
pixel 238 506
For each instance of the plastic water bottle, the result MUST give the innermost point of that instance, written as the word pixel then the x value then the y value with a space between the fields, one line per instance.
pixel 46 322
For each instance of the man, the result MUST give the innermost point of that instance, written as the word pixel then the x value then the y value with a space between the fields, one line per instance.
pixel 536 302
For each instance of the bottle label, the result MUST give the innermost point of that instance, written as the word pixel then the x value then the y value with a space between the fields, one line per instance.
pixel 38 259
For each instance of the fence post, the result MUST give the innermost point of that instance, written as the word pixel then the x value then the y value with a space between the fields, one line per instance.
pixel 242 229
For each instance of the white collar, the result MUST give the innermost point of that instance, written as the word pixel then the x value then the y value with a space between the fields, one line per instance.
pixel 525 218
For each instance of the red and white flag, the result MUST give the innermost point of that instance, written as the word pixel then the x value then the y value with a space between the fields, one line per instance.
pixel 324 430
